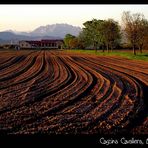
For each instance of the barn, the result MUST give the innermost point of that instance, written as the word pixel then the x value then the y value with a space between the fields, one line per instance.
pixel 43 44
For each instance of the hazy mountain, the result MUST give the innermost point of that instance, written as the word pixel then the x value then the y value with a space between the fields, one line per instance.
pixel 4 41
pixel 54 31
pixel 9 37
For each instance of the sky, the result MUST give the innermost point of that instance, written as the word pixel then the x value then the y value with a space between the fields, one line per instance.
pixel 29 17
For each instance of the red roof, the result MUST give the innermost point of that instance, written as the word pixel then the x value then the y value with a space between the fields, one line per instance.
pixel 34 42
pixel 51 41
pixel 44 41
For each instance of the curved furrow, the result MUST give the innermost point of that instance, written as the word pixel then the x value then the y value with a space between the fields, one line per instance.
pixel 56 76
pixel 85 118
pixel 28 109
pixel 140 74
pixel 113 94
pixel 90 97
pixel 142 65
pixel 131 65
pixel 66 126
pixel 16 66
pixel 11 62
pixel 33 64
pixel 55 84
pixel 62 100
pixel 39 90
pixel 30 75
pixel 78 112
pixel 5 60
pixel 13 74
pixel 134 116
pixel 127 76
pixel 68 103
pixel 137 99
pixel 65 93
pixel 6 103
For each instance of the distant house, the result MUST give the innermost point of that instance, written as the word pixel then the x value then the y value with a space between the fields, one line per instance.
pixel 49 44
pixel 11 46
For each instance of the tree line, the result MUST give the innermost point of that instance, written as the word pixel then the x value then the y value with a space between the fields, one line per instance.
pixel 108 34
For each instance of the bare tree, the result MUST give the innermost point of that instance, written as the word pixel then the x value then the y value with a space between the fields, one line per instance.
pixel 142 34
pixel 134 26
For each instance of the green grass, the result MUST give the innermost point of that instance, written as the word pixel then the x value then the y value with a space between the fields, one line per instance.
pixel 126 54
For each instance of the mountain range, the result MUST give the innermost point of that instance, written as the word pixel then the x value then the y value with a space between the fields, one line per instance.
pixel 53 31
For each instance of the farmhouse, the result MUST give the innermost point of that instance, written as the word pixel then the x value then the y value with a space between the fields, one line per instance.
pixel 50 44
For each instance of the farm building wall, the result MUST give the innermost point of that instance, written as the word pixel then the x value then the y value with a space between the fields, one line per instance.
pixel 50 44
pixel 24 44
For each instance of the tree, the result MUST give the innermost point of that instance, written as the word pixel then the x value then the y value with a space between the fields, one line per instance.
pixel 146 42
pixel 67 40
pixel 111 33
pixel 98 33
pixel 74 43
pixel 91 33
pixel 81 42
pixel 84 39
pixel 142 34
pixel 135 27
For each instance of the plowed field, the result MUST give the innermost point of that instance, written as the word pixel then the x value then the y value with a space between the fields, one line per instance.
pixel 55 92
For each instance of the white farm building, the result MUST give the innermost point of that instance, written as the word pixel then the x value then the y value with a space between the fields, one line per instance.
pixel 51 44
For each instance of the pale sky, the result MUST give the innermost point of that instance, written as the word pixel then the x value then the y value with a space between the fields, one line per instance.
pixel 29 17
